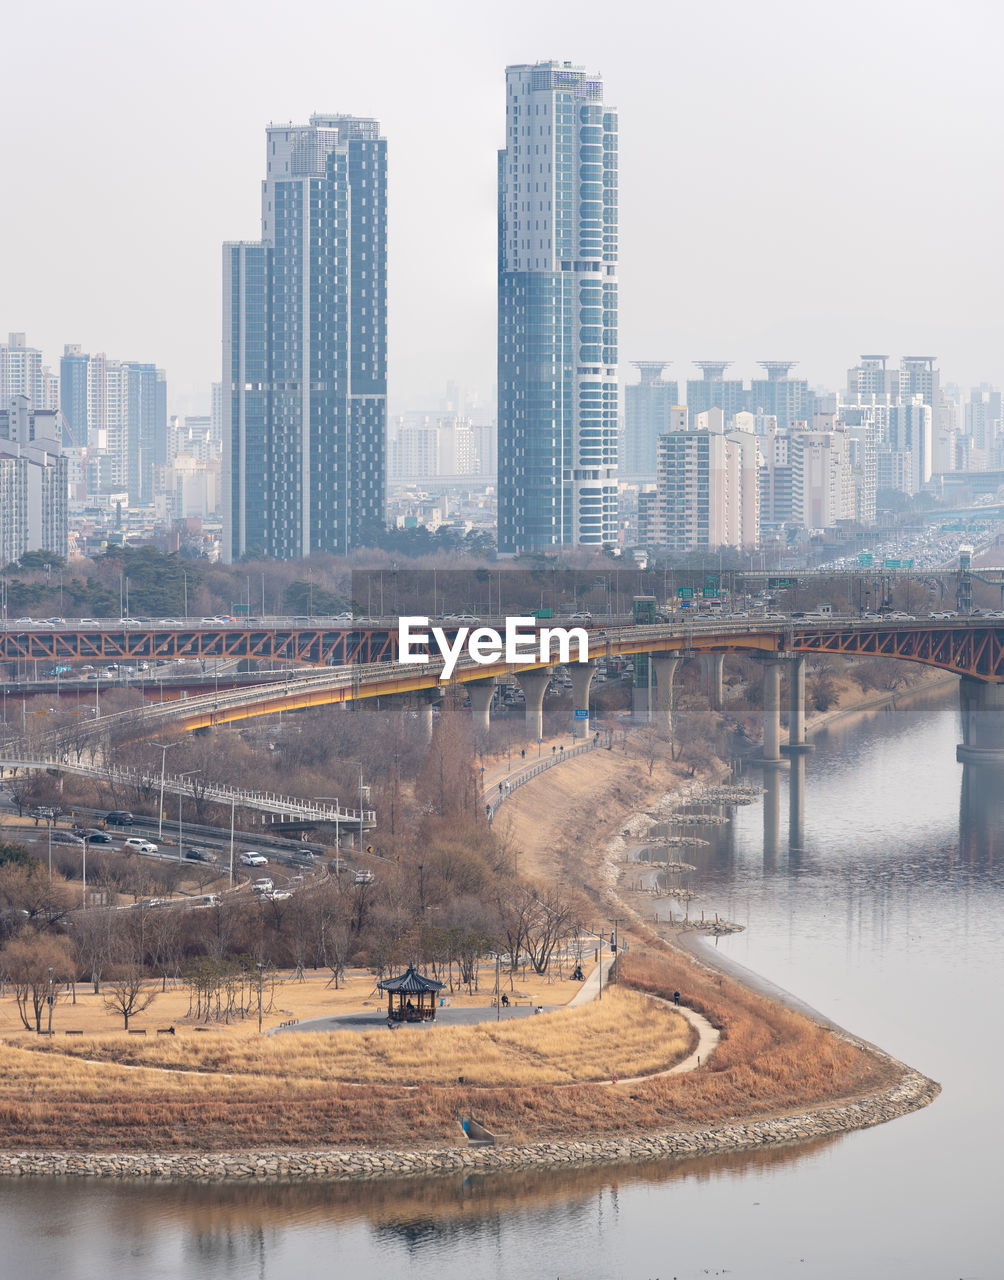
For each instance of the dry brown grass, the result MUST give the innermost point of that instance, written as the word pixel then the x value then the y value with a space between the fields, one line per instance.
pixel 770 1061
pixel 626 1034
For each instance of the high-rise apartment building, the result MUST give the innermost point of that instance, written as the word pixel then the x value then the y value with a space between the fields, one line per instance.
pixel 648 409
pixel 33 481
pixel 304 403
pixel 558 311
pixel 707 492
pixel 118 410
pixel 790 400
pixel 23 374
pixel 714 391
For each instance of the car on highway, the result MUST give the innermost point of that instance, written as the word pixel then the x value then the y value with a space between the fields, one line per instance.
pixel 200 855
pixel 120 818
pixel 66 837
pixel 139 845
pixel 278 895
pixel 169 622
pixel 581 617
pixel 87 622
pixel 253 859
pixel 96 836
pixel 264 885
pixel 130 622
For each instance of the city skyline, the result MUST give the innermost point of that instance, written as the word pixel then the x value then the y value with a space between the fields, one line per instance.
pixel 802 234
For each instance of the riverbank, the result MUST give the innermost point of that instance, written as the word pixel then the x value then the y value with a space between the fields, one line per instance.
pixel 759 1093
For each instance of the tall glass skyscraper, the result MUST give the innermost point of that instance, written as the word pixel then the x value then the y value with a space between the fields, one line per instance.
pixel 305 347
pixel 557 334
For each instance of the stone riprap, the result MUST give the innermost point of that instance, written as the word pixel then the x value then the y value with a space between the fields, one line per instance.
pixel 911 1092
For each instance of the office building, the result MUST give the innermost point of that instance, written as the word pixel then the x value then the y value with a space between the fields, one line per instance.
pixel 304 405
pixel 558 311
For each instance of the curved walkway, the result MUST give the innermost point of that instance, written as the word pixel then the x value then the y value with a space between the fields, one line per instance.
pixel 472 1015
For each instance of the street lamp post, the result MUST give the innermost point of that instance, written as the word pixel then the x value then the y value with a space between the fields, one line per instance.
pixel 338 849
pixel 261 972
pixel 164 749
pixel 48 828
pixel 50 1000
pixel 181 793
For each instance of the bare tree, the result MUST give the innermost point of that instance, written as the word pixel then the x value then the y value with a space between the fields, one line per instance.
pixel 127 992
pixel 36 965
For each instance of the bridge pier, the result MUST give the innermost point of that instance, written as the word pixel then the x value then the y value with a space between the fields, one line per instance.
pixel 796 705
pixel 481 693
pixel 427 699
pixel 982 706
pixel 772 711
pixel 713 665
pixel 582 678
pixel 664 666
pixel 534 682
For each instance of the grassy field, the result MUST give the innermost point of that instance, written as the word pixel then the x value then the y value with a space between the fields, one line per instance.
pixel 312 997
pixel 625 1034
pixel 770 1061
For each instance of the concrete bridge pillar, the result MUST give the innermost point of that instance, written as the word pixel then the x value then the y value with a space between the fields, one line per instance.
pixel 481 693
pixel 582 678
pixel 664 665
pixel 714 665
pixel 772 710
pixel 796 705
pixel 534 682
pixel 427 699
pixel 982 706
pixel 796 809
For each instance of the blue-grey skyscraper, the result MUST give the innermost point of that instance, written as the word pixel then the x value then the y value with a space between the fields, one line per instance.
pixel 305 347
pixel 557 338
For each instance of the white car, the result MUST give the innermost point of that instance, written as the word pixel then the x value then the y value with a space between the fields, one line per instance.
pixel 252 859
pixel 264 885
pixel 139 844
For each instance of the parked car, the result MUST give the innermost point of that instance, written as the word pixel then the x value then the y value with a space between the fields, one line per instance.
pixel 195 854
pixel 253 859
pixel 139 845
pixel 120 818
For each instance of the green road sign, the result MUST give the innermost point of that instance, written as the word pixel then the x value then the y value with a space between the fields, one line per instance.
pixel 865 559
pixel 684 593
pixel 709 593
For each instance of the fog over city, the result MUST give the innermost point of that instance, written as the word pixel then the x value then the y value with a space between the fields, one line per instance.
pixel 797 181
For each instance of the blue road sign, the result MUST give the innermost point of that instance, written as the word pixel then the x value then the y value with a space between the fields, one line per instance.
pixel 581 715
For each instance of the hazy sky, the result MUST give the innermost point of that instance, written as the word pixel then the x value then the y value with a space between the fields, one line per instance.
pixel 799 180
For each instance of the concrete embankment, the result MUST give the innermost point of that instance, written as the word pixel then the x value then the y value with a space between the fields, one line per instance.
pixel 911 1092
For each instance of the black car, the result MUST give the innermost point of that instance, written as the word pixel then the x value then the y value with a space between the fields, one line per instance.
pixel 120 818
pixel 95 836
pixel 200 855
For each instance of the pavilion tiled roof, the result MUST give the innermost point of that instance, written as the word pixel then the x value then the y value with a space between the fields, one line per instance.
pixel 410 983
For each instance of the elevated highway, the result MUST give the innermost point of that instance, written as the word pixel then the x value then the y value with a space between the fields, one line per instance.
pixel 972 648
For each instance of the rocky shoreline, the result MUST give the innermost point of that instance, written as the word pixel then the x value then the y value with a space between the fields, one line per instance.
pixel 911 1092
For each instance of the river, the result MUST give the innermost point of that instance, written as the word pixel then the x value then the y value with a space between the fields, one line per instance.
pixel 874 897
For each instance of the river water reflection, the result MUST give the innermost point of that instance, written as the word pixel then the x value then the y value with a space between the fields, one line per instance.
pixel 868 885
